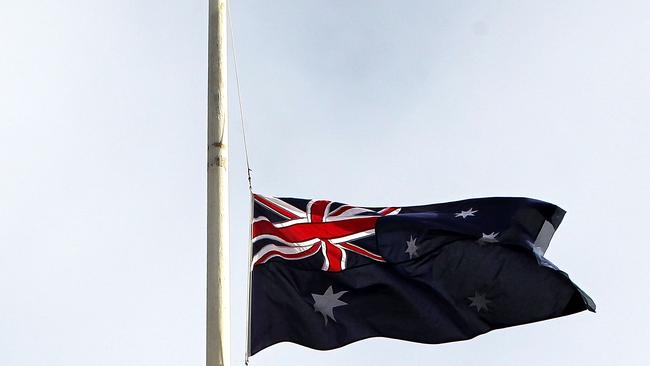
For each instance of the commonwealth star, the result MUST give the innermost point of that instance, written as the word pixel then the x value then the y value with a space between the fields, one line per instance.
pixel 326 303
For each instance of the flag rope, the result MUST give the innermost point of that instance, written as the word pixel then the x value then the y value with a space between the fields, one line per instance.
pixel 249 265
pixel 250 187
pixel 239 99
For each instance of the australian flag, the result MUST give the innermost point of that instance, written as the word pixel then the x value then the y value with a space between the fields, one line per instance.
pixel 326 274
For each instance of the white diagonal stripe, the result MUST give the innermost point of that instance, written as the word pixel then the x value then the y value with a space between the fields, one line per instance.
pixel 281 224
pixel 281 249
pixel 289 243
pixel 286 206
pixel 359 235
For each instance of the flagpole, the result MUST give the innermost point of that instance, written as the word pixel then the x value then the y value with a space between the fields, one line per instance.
pixel 218 292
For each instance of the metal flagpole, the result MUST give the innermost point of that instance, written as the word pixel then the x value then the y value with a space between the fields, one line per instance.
pixel 218 291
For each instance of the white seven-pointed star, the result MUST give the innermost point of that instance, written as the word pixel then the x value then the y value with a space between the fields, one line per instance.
pixel 479 301
pixel 489 238
pixel 466 213
pixel 411 248
pixel 326 303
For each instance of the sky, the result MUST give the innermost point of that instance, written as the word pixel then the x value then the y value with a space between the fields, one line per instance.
pixel 103 160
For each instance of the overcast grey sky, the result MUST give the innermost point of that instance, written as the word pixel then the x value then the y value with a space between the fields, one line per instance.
pixel 102 160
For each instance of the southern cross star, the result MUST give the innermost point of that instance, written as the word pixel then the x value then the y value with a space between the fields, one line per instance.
pixel 326 303
pixel 464 214
pixel 479 301
pixel 411 248
pixel 489 238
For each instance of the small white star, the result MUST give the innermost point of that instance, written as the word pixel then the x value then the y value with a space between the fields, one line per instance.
pixel 464 214
pixel 489 238
pixel 411 248
pixel 326 303
pixel 479 301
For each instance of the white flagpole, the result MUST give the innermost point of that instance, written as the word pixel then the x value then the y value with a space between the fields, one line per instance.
pixel 218 291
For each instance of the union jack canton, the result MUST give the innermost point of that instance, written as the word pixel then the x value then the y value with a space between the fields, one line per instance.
pixel 298 230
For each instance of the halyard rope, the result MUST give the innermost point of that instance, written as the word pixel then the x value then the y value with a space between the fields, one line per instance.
pixel 250 183
pixel 241 108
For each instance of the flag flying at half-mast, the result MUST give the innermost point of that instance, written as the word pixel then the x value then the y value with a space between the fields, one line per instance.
pixel 326 274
